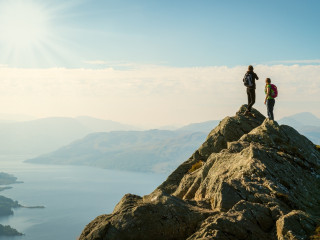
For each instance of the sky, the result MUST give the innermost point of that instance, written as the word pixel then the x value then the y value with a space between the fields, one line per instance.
pixel 152 63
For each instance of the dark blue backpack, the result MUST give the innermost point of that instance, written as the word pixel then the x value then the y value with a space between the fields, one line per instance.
pixel 247 80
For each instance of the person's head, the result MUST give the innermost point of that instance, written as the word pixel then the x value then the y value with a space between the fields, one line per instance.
pixel 268 80
pixel 250 68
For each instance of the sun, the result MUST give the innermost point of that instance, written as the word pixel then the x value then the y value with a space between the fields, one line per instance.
pixel 22 23
pixel 36 33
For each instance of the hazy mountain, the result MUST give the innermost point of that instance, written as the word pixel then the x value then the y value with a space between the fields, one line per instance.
pixel 306 123
pixel 100 125
pixel 301 119
pixel 312 132
pixel 193 127
pixel 6 179
pixel 200 127
pixel 171 127
pixel 153 150
pixel 47 134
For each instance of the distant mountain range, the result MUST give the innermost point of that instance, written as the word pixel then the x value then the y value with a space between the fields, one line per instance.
pixel 193 127
pixel 153 150
pixel 47 134
pixel 200 127
pixel 306 123
pixel 301 119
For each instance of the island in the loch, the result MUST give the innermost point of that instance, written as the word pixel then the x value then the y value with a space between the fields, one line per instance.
pixel 6 179
pixel 4 188
pixel 8 231
pixel 7 205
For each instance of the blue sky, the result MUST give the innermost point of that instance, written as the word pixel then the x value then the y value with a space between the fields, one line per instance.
pixel 153 63
pixel 197 33
pixel 175 33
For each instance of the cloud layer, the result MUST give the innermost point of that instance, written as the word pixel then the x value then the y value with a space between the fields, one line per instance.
pixel 154 95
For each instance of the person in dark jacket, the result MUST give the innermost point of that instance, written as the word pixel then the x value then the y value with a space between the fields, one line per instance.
pixel 251 90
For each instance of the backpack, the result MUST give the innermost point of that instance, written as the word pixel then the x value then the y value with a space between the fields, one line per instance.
pixel 275 91
pixel 247 80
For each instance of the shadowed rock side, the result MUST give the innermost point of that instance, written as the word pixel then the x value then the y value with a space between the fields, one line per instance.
pixel 258 180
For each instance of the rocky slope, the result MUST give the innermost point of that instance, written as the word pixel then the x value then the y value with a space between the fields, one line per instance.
pixel 254 180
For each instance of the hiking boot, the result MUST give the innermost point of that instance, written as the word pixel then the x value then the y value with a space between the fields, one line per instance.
pixel 246 113
pixel 249 114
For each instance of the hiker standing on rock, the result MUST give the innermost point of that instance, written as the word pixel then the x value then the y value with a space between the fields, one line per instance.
pixel 271 93
pixel 250 83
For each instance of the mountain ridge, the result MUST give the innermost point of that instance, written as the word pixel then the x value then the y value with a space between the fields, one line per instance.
pixel 306 123
pixel 257 180
pixel 301 119
pixel 47 134
pixel 152 150
pixel 200 127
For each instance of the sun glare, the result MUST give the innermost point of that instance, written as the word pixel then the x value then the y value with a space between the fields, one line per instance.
pixel 32 33
pixel 22 24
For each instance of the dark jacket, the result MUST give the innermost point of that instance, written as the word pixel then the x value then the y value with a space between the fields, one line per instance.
pixel 254 77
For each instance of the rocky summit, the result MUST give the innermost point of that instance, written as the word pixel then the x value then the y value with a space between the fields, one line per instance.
pixel 250 179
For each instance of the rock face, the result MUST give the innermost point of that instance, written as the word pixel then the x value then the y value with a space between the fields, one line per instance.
pixel 257 180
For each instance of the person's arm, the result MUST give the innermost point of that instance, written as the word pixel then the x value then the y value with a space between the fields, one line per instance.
pixel 268 93
pixel 256 76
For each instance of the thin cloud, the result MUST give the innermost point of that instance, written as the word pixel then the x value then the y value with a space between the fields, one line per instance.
pixel 307 61
pixel 111 63
pixel 150 94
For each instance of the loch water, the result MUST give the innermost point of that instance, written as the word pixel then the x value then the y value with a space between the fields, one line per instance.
pixel 72 196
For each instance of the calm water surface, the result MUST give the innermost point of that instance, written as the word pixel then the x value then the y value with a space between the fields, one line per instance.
pixel 72 196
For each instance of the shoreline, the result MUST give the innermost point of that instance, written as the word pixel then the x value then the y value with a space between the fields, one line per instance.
pixel 7 204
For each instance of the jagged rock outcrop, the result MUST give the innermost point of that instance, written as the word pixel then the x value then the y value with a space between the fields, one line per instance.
pixel 256 180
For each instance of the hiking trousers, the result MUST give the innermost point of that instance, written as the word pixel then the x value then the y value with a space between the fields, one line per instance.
pixel 270 106
pixel 251 92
